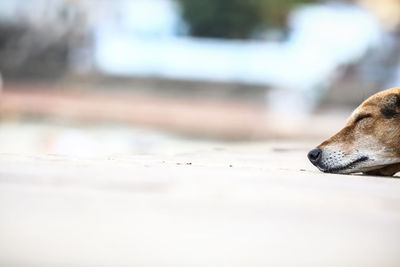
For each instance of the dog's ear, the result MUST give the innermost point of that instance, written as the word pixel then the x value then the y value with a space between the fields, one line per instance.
pixel 390 105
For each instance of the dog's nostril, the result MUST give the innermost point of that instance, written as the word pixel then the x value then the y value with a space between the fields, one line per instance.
pixel 314 155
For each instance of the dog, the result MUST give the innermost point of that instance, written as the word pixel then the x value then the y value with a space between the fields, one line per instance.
pixel 369 142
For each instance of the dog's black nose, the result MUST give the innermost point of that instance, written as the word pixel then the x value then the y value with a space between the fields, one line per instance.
pixel 315 155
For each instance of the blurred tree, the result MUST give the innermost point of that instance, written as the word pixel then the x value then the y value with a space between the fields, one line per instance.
pixel 235 19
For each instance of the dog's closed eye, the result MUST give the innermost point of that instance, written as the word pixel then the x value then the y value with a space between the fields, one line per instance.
pixel 361 117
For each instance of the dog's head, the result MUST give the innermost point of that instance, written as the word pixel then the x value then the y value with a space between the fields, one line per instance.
pixel 369 141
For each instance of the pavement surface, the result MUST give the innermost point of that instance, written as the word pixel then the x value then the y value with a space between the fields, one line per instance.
pixel 202 204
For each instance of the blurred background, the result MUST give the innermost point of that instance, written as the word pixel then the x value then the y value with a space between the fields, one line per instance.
pixel 92 77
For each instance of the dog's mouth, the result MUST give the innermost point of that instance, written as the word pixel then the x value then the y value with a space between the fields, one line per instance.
pixel 343 168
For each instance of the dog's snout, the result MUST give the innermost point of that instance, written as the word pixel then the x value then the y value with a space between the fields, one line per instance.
pixel 315 155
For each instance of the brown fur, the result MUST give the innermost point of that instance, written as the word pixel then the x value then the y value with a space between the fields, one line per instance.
pixel 372 132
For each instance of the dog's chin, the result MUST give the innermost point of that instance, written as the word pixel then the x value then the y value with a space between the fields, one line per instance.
pixel 358 165
pixel 336 170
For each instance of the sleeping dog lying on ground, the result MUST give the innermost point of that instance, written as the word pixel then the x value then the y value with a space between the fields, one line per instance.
pixel 369 142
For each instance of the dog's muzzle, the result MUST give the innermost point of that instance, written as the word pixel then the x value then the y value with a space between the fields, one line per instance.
pixel 334 164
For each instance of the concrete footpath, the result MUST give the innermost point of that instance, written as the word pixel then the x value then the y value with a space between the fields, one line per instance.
pixel 256 204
